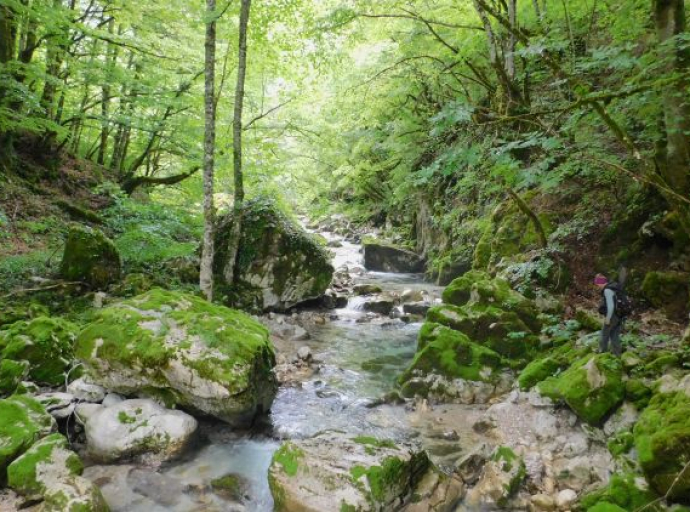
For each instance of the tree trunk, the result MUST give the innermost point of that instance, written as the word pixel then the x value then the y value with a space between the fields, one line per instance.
pixel 111 59
pixel 670 22
pixel 231 268
pixel 207 252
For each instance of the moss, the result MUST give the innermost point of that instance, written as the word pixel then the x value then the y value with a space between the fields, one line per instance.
pixel 501 331
pixel 268 234
pixel 668 291
pixel 588 320
pixel 605 506
pixel 557 360
pixel 537 371
pixel 10 314
pixel 637 392
pixel 372 441
pixel 509 462
pixel 46 343
pixel 459 290
pixel 125 418
pixel 22 474
pixel 136 334
pixel 662 364
pixel 624 491
pixel 288 456
pixel 230 486
pixel 391 478
pixel 74 495
pixel 23 421
pixel 592 387
pixel 662 439
pixel 90 257
pixel 452 354
pixel 12 373
pixel 621 443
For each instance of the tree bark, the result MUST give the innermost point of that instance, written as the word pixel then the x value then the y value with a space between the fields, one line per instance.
pixel 231 268
pixel 111 60
pixel 207 252
pixel 675 162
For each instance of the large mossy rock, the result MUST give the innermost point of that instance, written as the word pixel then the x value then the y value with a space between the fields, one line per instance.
pixel 91 258
pixel 47 344
pixel 478 289
pixel 184 351
pixel 669 291
pixel 662 439
pixel 51 472
pixel 450 353
pixel 382 256
pixel 500 330
pixel 592 387
pixel 278 264
pixel 23 421
pixel 509 233
pixel 334 471
pixel 628 491
pixel 556 361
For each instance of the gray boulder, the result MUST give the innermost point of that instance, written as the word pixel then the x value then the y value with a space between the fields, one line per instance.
pixel 384 257
pixel 279 265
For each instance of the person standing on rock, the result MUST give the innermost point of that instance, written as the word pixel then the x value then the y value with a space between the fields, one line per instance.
pixel 614 306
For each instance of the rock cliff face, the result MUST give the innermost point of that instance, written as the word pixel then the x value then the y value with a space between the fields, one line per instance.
pixel 279 265
pixel 183 351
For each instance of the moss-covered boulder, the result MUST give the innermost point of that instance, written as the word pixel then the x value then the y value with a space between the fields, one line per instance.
pixel 628 491
pixel 452 354
pixel 23 421
pixel 91 258
pixel 46 343
pixel 510 232
pixel 12 373
pixel 382 256
pixel 48 460
pixel 592 387
pixel 279 264
pixel 477 289
pixel 334 471
pixel 500 330
pixel 557 360
pixel 662 439
pixel 184 351
pixel 669 291
pixel 11 313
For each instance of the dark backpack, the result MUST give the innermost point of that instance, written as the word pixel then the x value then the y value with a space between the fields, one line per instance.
pixel 622 303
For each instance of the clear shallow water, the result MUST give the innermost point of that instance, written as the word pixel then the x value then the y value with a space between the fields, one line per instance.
pixel 359 363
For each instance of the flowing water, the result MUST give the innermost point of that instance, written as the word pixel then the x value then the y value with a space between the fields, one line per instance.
pixel 360 361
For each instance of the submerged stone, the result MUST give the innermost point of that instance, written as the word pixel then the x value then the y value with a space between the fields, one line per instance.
pixel 90 257
pixel 185 351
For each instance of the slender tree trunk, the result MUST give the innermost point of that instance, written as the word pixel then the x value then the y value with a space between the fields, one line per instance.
pixel 111 59
pixel 8 44
pixel 235 236
pixel 207 252
pixel 512 40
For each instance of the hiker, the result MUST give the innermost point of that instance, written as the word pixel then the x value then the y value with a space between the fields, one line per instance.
pixel 614 306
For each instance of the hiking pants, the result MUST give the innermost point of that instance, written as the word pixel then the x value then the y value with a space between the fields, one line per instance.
pixel 612 333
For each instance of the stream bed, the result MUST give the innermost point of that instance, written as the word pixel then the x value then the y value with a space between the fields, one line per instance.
pixel 359 362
